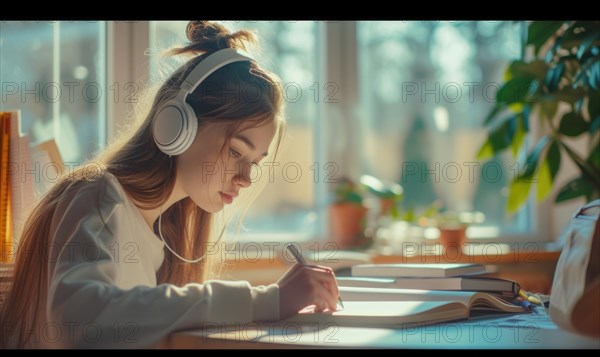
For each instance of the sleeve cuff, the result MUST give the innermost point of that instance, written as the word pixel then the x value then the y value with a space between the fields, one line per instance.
pixel 265 303
pixel 230 301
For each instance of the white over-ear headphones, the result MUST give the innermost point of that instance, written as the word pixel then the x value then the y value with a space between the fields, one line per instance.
pixel 175 124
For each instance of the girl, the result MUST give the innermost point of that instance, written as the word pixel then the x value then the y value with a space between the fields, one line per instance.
pixel 99 261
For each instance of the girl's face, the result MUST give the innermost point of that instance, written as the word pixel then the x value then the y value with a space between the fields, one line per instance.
pixel 213 178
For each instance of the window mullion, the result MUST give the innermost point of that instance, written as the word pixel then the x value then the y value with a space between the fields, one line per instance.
pixel 56 79
pixel 127 69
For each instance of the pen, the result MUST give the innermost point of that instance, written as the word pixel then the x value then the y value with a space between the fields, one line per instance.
pixel 300 260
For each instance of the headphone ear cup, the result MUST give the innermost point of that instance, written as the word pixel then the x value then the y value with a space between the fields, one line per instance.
pixel 190 128
pixel 175 128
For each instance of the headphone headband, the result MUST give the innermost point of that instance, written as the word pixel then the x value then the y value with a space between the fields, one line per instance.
pixel 209 65
pixel 175 125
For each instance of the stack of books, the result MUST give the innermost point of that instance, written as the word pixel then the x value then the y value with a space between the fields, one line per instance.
pixel 16 183
pixel 457 277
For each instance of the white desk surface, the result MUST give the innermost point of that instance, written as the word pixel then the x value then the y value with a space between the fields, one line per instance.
pixel 528 331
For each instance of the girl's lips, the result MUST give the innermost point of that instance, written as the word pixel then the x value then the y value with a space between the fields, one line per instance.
pixel 227 198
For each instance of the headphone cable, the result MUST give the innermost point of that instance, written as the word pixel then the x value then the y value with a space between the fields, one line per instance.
pixel 169 248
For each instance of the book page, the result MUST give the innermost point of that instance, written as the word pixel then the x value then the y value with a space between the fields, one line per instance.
pixel 486 303
pixel 386 313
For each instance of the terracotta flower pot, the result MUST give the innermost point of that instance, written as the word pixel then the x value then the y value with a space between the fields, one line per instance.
pixel 453 236
pixel 346 223
pixel 385 206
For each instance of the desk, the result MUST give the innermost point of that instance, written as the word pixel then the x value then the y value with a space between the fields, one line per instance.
pixel 528 331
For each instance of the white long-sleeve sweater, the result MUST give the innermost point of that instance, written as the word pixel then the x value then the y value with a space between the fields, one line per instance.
pixel 102 279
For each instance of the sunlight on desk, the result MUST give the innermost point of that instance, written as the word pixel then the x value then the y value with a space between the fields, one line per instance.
pixel 528 331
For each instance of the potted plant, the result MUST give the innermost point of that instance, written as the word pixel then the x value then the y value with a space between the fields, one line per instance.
pixel 453 226
pixel 390 194
pixel 347 215
pixel 558 87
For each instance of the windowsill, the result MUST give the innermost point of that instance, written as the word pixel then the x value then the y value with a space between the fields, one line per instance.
pixel 531 265
pixel 483 252
pixel 472 252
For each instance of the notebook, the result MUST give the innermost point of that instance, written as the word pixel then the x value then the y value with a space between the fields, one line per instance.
pixel 417 270
pixel 370 307
pixel 502 287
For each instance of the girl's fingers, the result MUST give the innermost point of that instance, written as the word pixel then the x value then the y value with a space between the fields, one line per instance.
pixel 325 290
pixel 326 279
pixel 320 268
pixel 329 283
pixel 329 297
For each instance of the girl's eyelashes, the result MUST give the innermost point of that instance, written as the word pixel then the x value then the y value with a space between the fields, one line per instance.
pixel 235 154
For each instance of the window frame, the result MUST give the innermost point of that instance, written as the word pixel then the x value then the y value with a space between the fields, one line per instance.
pixel 126 63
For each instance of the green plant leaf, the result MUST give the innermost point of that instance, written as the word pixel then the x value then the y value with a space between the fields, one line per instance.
pixel 517 107
pixel 432 210
pixel 593 79
pixel 576 188
pixel 535 69
pixel 573 124
pixel 347 191
pixel 584 72
pixel 549 108
pixel 553 76
pixel 354 197
pixel 593 107
pixel 587 171
pixel 575 33
pixel 540 31
pixel 519 136
pixel 548 169
pixel 516 90
pixel 486 151
pixel 381 188
pixel 569 94
pixel 409 215
pixel 525 115
pixel 594 158
pixel 588 40
pixel 498 140
pixel 518 190
pixel 531 163
pixel 552 51
pixel 595 125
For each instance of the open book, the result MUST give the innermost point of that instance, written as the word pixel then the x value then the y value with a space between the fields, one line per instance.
pixel 374 307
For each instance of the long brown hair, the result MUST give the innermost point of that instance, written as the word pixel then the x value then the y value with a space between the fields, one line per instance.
pixel 148 175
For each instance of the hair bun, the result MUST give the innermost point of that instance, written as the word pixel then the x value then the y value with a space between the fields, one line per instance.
pixel 198 31
pixel 206 36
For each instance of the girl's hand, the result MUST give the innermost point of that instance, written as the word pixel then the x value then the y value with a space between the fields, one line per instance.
pixel 304 285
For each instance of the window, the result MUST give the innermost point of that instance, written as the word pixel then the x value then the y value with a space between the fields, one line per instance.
pixel 425 88
pixel 54 72
pixel 422 90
